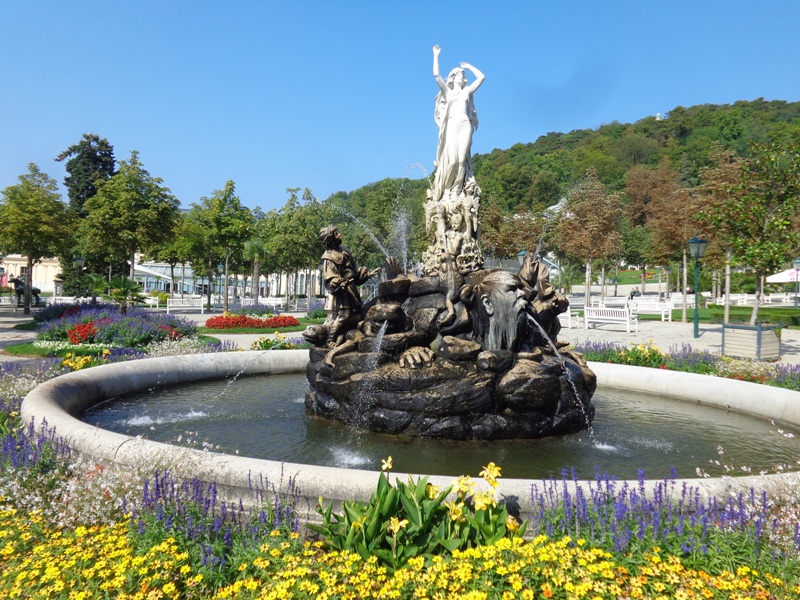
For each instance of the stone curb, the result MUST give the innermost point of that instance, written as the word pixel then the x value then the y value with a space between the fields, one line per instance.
pixel 59 401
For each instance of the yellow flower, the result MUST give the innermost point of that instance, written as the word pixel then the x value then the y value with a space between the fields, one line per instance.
pixel 483 500
pixel 395 525
pixel 386 465
pixel 512 524
pixel 490 471
pixel 464 485
pixel 433 490
pixel 455 511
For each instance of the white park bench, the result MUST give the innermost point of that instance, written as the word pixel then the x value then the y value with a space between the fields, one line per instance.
pixel 677 299
pixel 52 300
pixel 736 299
pixel 597 316
pixel 268 302
pixel 778 298
pixel 151 301
pixel 569 317
pixel 186 303
pixel 652 307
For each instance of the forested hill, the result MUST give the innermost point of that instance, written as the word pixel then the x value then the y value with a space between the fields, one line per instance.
pixel 533 176
pixel 537 174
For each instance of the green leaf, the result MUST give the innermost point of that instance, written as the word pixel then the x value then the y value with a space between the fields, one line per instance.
pixel 412 511
pixel 388 507
pixel 451 544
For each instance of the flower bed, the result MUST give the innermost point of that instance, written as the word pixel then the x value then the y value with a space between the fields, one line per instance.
pixel 229 321
pixel 687 359
pixel 107 326
pixel 72 528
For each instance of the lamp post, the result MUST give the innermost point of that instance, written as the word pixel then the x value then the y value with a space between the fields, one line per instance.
pixel 796 265
pixel 521 256
pixel 697 248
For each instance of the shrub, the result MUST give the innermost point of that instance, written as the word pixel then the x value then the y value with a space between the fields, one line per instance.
pixel 162 296
pixel 107 326
pixel 279 342
pixel 316 310
pixel 408 520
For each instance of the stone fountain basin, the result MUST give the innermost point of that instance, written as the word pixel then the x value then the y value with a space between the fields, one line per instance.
pixel 59 403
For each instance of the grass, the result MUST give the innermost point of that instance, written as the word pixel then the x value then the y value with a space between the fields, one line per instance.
pixel 27 349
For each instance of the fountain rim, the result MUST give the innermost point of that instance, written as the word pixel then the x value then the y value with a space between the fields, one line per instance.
pixel 57 403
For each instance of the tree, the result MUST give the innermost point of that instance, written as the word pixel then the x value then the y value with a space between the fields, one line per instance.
pixel 131 212
pixel 660 216
pixel 589 227
pixel 36 223
pixel 760 212
pixel 716 180
pixel 216 230
pixel 295 232
pixel 125 292
pixel 173 250
pixel 90 160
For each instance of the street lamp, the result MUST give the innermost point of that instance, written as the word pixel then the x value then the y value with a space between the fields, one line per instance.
pixel 697 248
pixel 521 256
pixel 79 262
pixel 796 265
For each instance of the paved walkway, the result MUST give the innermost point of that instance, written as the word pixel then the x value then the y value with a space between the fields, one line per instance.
pixel 663 335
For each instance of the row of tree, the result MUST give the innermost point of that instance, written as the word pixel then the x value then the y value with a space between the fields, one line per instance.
pixel 117 211
pixel 621 194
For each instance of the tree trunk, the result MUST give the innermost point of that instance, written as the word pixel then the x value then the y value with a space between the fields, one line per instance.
pixel 210 283
pixel 727 313
pixel 685 285
pixel 602 283
pixel 254 288
pixel 587 293
pixel 759 285
pixel 26 309
pixel 659 282
pixel 133 264
pixel 225 287
pixel 644 279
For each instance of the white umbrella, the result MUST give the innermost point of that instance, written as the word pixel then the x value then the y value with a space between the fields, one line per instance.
pixel 787 276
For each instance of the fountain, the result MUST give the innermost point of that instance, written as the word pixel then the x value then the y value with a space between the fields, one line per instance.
pixel 458 321
pixel 462 352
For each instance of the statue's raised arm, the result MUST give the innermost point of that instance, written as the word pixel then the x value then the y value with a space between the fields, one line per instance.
pixel 479 77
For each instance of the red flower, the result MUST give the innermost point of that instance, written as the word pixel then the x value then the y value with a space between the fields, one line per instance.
pixel 82 333
pixel 242 321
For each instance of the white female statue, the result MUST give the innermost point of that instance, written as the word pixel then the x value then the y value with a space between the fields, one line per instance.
pixel 456 118
pixel 453 202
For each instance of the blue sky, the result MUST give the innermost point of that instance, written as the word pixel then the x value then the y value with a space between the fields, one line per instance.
pixel 332 95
